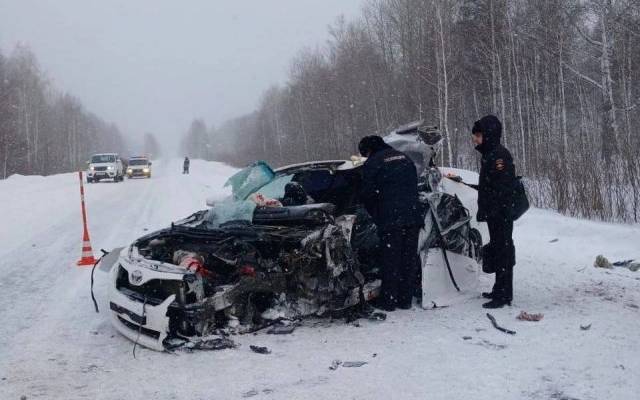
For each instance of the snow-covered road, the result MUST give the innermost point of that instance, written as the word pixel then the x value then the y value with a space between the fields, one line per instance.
pixel 54 346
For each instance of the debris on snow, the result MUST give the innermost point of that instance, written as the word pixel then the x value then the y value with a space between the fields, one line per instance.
pixel 602 262
pixel 279 329
pixel 335 364
pixel 498 327
pixel 525 316
pixel 490 345
pixel 250 393
pixel 554 240
pixel 353 364
pixel 632 265
pixel 377 316
pixel 211 344
pixel 260 349
pixel 346 364
pixel 467 338
pixel 585 327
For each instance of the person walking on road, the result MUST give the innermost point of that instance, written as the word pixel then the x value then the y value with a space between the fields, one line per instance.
pixel 185 165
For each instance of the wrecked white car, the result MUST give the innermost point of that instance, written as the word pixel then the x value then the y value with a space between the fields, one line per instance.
pixel 291 243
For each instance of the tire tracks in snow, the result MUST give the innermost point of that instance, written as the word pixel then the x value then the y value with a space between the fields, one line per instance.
pixel 49 295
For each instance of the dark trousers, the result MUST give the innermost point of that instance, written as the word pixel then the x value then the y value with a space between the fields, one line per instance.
pixel 399 261
pixel 503 257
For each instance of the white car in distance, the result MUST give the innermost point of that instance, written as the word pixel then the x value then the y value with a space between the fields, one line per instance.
pixel 105 166
pixel 139 167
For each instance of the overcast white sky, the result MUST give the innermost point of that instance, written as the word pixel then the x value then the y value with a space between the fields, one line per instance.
pixel 153 65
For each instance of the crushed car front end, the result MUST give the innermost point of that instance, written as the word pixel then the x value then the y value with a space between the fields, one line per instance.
pixel 185 281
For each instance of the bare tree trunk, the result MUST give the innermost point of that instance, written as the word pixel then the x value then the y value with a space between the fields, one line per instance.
pixel 565 143
pixel 445 83
pixel 609 121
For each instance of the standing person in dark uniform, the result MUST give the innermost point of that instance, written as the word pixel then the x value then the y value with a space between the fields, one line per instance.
pixel 185 165
pixel 390 194
pixel 495 206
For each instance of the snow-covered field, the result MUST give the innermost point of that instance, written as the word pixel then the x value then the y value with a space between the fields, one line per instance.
pixel 54 346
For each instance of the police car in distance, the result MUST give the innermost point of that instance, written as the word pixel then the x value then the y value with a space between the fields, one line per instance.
pixel 139 167
pixel 105 166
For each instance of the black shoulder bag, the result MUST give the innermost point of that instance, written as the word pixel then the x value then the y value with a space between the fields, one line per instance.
pixel 520 200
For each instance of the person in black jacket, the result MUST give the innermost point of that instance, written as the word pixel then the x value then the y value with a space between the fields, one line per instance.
pixel 389 193
pixel 185 165
pixel 495 203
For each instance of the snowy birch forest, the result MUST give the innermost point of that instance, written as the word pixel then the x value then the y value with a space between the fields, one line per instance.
pixel 563 76
pixel 44 131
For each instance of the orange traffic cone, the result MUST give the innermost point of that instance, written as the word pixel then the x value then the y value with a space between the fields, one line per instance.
pixel 87 252
pixel 87 258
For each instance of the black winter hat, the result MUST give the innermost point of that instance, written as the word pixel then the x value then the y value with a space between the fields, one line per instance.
pixel 490 127
pixel 373 143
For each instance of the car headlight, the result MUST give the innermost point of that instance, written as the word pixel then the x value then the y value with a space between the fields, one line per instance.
pixel 109 167
pixel 129 171
pixel 145 170
pixel 92 168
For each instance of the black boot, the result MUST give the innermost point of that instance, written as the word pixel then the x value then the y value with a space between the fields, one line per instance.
pixel 405 304
pixel 487 295
pixel 496 303
pixel 382 304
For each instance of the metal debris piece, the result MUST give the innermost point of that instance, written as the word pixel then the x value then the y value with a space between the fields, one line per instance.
pixel 250 393
pixel 353 364
pixel 212 344
pixel 633 265
pixel 335 364
pixel 585 327
pixel 260 349
pixel 377 316
pixel 280 329
pixel 525 316
pixel 498 327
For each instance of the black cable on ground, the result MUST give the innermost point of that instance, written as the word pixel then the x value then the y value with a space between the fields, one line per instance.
pixel 93 297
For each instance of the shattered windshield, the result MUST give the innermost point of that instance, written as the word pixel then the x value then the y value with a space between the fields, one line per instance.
pixel 250 179
pixel 256 178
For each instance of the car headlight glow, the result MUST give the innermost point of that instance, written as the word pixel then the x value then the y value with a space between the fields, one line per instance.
pixel 92 168
pixel 109 167
pixel 145 170
pixel 129 170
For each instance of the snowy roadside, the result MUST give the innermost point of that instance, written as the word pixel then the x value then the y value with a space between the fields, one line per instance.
pixel 54 346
